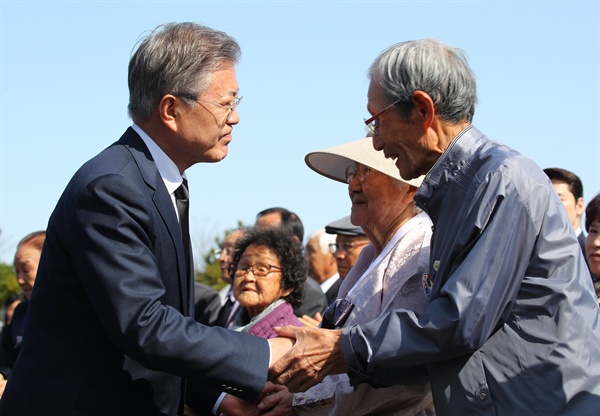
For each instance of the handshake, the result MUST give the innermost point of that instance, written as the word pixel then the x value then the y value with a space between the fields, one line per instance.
pixel 300 358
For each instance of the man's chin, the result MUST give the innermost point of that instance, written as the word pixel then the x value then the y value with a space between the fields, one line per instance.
pixel 216 156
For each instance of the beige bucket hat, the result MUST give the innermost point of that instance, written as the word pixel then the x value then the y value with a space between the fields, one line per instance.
pixel 334 161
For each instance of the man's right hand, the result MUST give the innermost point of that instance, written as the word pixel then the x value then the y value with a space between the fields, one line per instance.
pixel 316 353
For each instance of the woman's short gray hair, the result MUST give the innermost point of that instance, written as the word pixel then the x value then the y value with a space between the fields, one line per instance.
pixel 178 59
pixel 427 65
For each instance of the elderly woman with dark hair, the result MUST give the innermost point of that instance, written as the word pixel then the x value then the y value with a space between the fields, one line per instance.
pixel 268 272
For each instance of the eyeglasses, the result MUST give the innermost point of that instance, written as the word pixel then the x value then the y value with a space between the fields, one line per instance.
pixel 257 269
pixel 218 253
pixel 230 108
pixel 352 172
pixel 371 122
pixel 345 247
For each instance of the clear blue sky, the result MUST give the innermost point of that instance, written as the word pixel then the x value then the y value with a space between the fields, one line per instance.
pixel 64 95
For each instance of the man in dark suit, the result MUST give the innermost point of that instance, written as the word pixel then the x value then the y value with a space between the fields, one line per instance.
pixel 111 326
pixel 569 188
pixel 322 267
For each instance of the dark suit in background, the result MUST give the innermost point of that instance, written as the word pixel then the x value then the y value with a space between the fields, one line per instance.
pixel 332 292
pixel 207 304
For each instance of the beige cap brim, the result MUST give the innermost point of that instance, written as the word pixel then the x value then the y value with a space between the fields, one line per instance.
pixel 334 161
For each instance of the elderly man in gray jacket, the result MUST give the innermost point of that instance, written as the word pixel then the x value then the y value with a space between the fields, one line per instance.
pixel 512 325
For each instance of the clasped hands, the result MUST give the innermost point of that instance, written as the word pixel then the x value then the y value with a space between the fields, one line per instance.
pixel 300 358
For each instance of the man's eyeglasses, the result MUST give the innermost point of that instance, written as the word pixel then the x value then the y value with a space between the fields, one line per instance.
pixel 218 253
pixel 257 269
pixel 345 247
pixel 230 108
pixel 372 121
pixel 352 172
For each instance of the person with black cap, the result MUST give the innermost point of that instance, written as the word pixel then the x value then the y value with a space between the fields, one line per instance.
pixel 349 242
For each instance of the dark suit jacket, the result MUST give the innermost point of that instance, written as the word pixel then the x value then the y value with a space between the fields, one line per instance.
pixel 110 328
pixel 12 335
pixel 207 304
pixel 332 292
pixel 313 301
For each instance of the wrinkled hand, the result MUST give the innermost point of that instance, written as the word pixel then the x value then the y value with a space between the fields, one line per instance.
pixel 278 404
pixel 232 406
pixel 3 382
pixel 312 322
pixel 316 353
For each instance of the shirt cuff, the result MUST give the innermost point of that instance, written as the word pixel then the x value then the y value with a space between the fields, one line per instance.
pixel 270 356
pixel 215 408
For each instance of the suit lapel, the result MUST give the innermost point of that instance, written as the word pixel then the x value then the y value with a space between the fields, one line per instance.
pixel 164 205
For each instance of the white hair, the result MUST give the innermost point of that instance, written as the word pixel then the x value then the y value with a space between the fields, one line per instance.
pixel 323 239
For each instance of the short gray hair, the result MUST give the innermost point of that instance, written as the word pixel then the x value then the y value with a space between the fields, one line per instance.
pixel 323 239
pixel 427 65
pixel 178 59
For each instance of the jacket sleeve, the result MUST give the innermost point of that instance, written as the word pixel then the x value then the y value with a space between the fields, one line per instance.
pixel 123 252
pixel 483 266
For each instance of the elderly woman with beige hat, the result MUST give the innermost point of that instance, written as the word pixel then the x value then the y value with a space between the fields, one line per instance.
pixel 389 274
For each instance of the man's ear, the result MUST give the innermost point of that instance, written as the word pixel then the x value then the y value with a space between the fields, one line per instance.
pixel 410 194
pixel 424 106
pixel 169 111
pixel 579 206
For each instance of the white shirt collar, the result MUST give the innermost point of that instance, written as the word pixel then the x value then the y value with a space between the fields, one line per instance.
pixel 166 167
pixel 329 282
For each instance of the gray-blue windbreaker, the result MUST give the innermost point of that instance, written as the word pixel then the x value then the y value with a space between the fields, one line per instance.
pixel 513 324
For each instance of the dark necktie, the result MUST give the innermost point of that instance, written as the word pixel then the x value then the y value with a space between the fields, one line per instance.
pixel 182 198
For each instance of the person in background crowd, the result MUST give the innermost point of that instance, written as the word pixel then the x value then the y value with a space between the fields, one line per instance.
pixel 10 304
pixel 26 262
pixel 322 266
pixel 268 272
pixel 110 326
pixel 314 299
pixel 5 351
pixel 569 188
pixel 229 308
pixel 511 302
pixel 207 303
pixel 592 241
pixel 349 242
